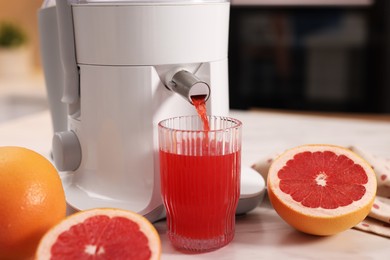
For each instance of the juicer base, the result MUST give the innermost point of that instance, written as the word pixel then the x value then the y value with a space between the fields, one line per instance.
pixel 252 193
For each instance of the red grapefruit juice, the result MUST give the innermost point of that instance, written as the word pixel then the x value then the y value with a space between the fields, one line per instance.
pixel 206 184
pixel 200 106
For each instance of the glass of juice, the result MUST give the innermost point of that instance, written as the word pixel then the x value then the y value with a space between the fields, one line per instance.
pixel 200 180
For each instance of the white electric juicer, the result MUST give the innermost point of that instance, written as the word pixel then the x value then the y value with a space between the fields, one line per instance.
pixel 120 66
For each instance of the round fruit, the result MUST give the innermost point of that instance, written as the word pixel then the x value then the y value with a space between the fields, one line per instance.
pixel 104 233
pixel 32 201
pixel 321 189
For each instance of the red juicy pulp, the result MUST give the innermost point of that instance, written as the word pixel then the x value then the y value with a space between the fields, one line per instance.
pixel 323 179
pixel 200 106
pixel 188 181
pixel 102 237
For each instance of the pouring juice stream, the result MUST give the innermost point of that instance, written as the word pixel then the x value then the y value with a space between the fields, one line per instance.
pixel 200 105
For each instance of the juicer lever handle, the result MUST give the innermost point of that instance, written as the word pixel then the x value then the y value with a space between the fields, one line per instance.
pixel 67 52
pixel 188 85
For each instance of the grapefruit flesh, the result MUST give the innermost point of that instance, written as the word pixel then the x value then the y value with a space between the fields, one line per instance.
pixel 101 234
pixel 321 189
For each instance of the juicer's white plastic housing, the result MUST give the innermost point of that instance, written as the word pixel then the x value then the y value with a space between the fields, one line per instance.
pixel 118 58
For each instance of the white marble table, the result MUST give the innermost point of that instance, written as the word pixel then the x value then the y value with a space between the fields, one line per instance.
pixel 261 234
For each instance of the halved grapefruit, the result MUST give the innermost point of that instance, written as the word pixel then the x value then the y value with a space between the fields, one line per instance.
pixel 321 189
pixel 101 234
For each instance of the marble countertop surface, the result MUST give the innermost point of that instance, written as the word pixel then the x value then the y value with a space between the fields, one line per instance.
pixel 261 234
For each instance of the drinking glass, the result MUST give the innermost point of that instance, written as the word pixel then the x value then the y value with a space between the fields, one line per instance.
pixel 200 180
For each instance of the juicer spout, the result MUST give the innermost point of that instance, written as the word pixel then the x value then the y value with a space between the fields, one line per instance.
pixel 188 85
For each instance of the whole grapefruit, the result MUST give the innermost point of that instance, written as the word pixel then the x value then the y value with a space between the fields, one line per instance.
pixel 32 200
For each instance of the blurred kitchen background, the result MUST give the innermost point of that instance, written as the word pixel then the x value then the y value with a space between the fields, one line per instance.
pixel 309 55
pixel 22 88
pixel 316 57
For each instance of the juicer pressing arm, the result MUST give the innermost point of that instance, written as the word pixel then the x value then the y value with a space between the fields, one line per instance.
pixel 67 52
pixel 52 66
pixel 188 85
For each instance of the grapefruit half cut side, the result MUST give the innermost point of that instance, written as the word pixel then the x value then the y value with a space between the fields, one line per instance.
pixel 101 234
pixel 321 189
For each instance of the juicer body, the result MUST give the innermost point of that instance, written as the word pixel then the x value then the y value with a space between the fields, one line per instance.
pixel 123 55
